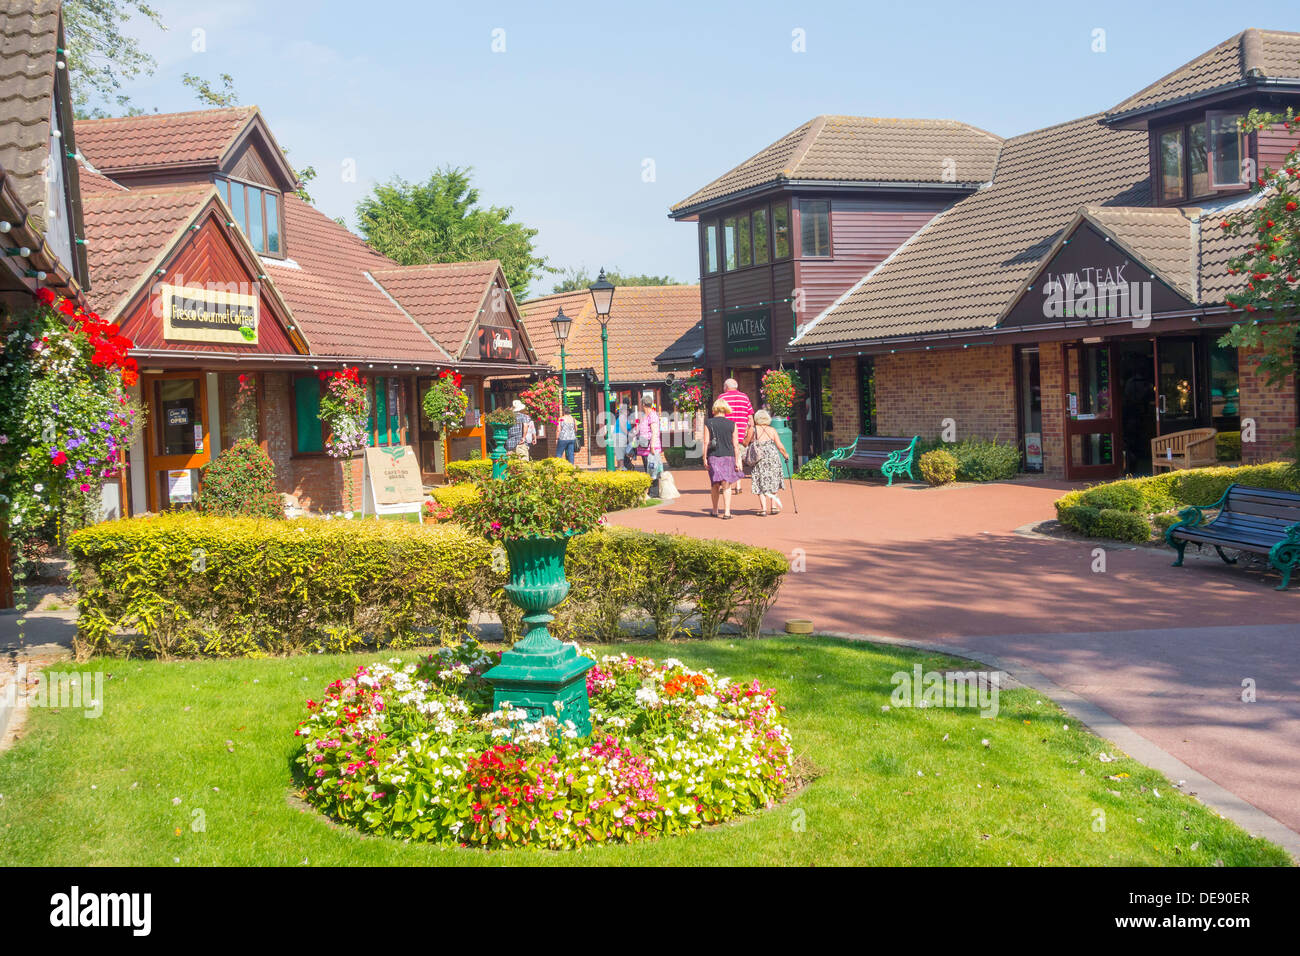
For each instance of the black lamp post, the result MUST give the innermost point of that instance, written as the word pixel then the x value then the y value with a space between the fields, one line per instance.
pixel 602 296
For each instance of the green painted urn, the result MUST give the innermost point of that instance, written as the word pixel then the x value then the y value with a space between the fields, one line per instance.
pixel 498 454
pixel 540 675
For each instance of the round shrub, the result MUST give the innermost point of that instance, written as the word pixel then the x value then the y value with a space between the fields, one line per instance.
pixel 980 460
pixel 417 753
pixel 1117 495
pixel 938 467
pixel 240 481
pixel 815 469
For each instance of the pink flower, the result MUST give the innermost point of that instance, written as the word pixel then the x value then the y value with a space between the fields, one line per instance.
pixel 496 525
pixel 85 487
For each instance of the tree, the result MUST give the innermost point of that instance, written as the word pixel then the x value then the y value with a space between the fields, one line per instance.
pixel 1272 263
pixel 208 94
pixel 441 221
pixel 578 278
pixel 101 57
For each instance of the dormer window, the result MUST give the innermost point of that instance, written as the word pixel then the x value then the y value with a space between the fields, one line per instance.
pixel 1200 158
pixel 257 213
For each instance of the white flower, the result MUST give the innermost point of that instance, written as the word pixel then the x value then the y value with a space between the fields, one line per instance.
pixel 647 697
pixel 38 487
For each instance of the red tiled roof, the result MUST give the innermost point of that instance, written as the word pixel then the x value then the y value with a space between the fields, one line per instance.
pixel 29 33
pixel 93 181
pixel 643 321
pixel 128 231
pixel 341 312
pixel 444 298
pixel 157 139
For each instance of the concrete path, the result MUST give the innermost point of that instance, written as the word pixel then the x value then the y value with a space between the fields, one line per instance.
pixel 1163 650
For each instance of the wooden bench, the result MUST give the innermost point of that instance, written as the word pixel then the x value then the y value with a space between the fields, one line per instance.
pixel 1193 448
pixel 892 457
pixel 1258 520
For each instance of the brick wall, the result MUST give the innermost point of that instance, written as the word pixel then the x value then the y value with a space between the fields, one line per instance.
pixel 916 391
pixel 315 481
pixel 1051 380
pixel 277 427
pixel 1272 407
pixel 846 411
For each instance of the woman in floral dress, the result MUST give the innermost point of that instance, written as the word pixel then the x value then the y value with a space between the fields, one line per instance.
pixel 765 477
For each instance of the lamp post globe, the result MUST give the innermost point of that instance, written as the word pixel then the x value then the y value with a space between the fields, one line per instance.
pixel 602 297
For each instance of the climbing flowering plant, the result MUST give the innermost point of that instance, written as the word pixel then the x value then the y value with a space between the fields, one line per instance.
pixel 415 751
pixel 778 391
pixel 1270 266
pixel 692 393
pixel 345 409
pixel 542 401
pixel 66 416
pixel 445 403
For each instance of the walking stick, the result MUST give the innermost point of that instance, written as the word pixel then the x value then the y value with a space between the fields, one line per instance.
pixel 794 503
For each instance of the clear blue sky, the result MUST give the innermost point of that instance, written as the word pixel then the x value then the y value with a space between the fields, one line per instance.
pixel 558 126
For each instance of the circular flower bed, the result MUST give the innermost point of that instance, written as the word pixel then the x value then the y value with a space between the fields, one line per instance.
pixel 417 752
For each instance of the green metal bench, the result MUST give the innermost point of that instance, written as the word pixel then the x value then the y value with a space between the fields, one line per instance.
pixel 892 457
pixel 1258 520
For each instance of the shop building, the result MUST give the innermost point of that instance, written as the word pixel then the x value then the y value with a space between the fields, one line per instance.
pixel 782 235
pixel 238 295
pixel 643 322
pixel 1073 302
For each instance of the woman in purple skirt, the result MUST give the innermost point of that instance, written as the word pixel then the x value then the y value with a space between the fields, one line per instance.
pixel 722 456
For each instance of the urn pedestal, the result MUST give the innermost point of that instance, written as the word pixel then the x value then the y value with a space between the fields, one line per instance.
pixel 540 675
pixel 498 454
pixel 787 439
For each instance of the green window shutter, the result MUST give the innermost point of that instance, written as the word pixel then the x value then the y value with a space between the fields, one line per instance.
pixel 379 416
pixel 306 400
pixel 394 412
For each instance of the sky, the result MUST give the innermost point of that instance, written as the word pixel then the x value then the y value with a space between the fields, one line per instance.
pixel 590 120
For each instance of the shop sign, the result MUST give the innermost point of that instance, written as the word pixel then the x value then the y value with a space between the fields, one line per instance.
pixel 747 335
pixel 178 416
pixel 180 486
pixel 498 344
pixel 192 314
pixel 1033 449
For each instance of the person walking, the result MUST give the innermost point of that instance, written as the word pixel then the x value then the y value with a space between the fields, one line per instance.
pixel 648 442
pixel 766 451
pixel 566 437
pixel 742 414
pixel 722 456
pixel 518 440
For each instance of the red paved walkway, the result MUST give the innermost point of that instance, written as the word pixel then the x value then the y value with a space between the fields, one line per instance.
pixel 1162 649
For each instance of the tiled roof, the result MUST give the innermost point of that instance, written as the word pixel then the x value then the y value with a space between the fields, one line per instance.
pixel 444 298
pixel 964 269
pixel 1250 54
pixel 863 149
pixel 127 231
pixel 93 181
pixel 341 311
pixel 643 321
pixel 1164 239
pixel 201 136
pixel 29 33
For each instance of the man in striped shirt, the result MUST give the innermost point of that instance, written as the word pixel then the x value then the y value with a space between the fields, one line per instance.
pixel 742 412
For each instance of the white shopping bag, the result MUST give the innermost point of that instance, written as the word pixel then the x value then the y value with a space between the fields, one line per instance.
pixel 667 487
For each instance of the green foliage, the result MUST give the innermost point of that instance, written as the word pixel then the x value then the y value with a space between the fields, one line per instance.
pixel 816 469
pixel 209 95
pixel 1227 446
pixel 458 471
pixel 1122 526
pixel 500 416
pixel 578 279
pixel 1159 495
pixel 441 221
pixel 101 56
pixel 445 403
pixel 980 460
pixel 188 585
pixel 536 502
pixel 240 481
pixel 938 467
pixel 185 585
pixel 616 490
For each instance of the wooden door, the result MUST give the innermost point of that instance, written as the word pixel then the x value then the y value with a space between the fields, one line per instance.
pixel 177 438
pixel 1092 415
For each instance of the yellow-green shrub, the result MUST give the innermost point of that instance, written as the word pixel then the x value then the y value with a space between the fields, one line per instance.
pixel 620 489
pixel 480 468
pixel 938 467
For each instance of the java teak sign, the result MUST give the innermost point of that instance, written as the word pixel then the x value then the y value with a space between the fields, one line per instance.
pixel 193 314
pixel 747 334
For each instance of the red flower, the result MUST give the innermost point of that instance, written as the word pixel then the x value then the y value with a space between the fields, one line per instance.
pixel 59 458
pixel 129 377
pixel 1291 206
pixel 66 307
pixel 45 296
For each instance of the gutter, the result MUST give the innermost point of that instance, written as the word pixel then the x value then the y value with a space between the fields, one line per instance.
pixel 317 362
pixel 789 185
pixel 1111 119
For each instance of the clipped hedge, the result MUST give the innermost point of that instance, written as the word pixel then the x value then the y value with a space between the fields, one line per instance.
pixel 186 585
pixel 620 489
pixel 481 468
pixel 1153 502
pixel 1227 446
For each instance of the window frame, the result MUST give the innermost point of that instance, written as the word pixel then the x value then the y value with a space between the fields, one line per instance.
pixel 789 246
pixel 764 212
pixel 1184 131
pixel 805 205
pixel 709 248
pixel 1243 151
pixel 224 182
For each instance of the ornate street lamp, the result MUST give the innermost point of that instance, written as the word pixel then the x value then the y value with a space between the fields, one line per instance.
pixel 602 296
pixel 561 325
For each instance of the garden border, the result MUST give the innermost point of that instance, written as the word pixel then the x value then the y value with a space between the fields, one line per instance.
pixel 1215 796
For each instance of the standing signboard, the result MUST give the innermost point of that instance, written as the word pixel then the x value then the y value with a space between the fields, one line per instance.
pixel 391 482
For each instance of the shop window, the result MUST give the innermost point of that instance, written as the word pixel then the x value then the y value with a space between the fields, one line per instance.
pixel 1029 395
pixel 760 236
pixel 241 409
pixel 781 230
pixel 386 412
pixel 1225 394
pixel 729 243
pixel 309 430
pixel 709 259
pixel 815 228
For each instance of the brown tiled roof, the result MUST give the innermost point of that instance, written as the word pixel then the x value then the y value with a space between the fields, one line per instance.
pixel 643 321
pixel 863 149
pixel 964 269
pixel 155 139
pixel 29 36
pixel 1250 54
pixel 93 181
pixel 341 311
pixel 444 298
pixel 127 232
pixel 1163 239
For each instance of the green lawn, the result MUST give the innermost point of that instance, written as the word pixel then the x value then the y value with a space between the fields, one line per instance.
pixel 891 789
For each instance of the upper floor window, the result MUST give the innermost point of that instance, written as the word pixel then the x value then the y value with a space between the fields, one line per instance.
pixel 755 238
pixel 781 230
pixel 815 228
pixel 257 213
pixel 1198 158
pixel 709 236
pixel 729 260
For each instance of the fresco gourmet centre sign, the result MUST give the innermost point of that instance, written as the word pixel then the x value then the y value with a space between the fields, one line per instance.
pixel 747 334
pixel 208 315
